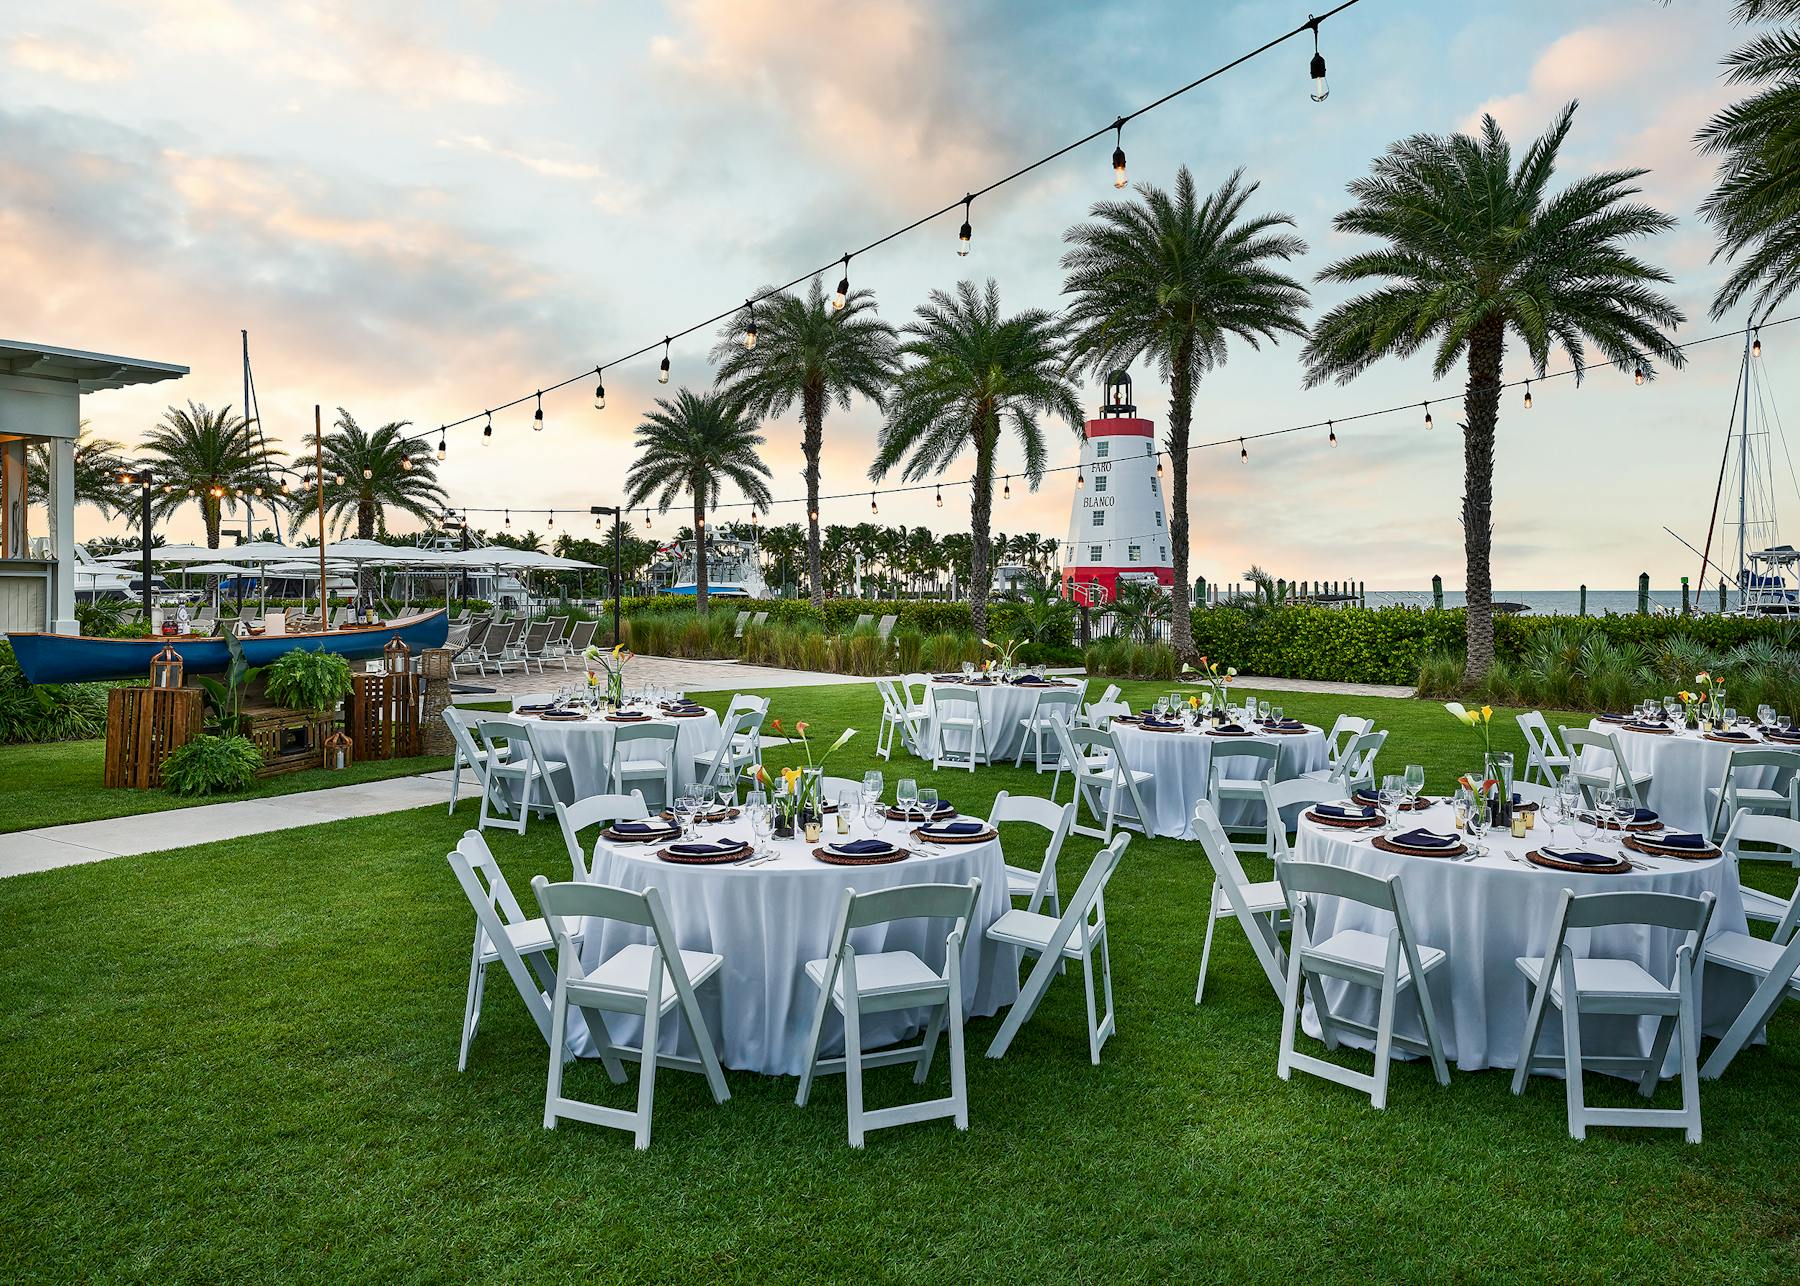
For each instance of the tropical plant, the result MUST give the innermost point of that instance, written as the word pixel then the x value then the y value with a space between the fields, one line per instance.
pixel 696 443
pixel 225 697
pixel 970 375
pixel 1175 277
pixel 47 711
pixel 1137 610
pixel 1755 205
pixel 104 618
pixel 206 456
pixel 1477 248
pixel 211 765
pixel 367 473
pixel 98 464
pixel 813 354
pixel 308 679
pixel 1043 614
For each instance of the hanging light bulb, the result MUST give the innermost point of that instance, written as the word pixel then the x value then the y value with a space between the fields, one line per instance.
pixel 1333 428
pixel 940 497
pixel 646 515
pixel 169 491
pixel 600 388
pixel 509 517
pixel 1119 153
pixel 1427 407
pixel 596 521
pixel 1638 375
pixel 1006 492
pixel 750 327
pixel 487 430
pixel 337 479
pixel 259 489
pixel 124 479
pixel 1159 472
pixel 662 375
pixel 367 474
pixel 1527 395
pixel 873 507
pixel 964 233
pixel 553 517
pixel 284 487
pixel 442 446
pixel 1080 479
pixel 1320 90
pixel 843 288
pixel 537 416
pixel 405 463
pixel 1243 451
pixel 1756 343
pixel 813 515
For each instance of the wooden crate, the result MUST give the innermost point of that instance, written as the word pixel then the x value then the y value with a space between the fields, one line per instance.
pixel 142 726
pixel 435 674
pixel 384 715
pixel 289 739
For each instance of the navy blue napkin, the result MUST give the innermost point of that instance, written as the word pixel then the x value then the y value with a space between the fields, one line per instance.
pixel 862 848
pixel 955 828
pixel 1151 722
pixel 535 709
pixel 1229 727
pixel 1030 681
pixel 1422 838
pixel 706 849
pixel 642 828
pixel 1350 811
pixel 1577 857
pixel 1683 839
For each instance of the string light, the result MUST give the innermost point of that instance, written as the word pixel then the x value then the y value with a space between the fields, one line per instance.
pixel 843 288
pixel 405 463
pixel 600 388
pixel 662 374
pixel 1320 90
pixel 1527 395
pixel 284 487
pixel 1756 343
pixel 750 328
pixel 367 474
pixel 1119 153
pixel 1080 479
pixel 443 449
pixel 812 515
pixel 940 496
pixel 964 233
pixel 646 517
pixel 487 430
pixel 537 416
pixel 509 517
pixel 1427 407
pixel 553 517
pixel 1243 451
pixel 1159 472
pixel 1637 376
pixel 337 479
pixel 1006 493
pixel 873 507
pixel 1333 428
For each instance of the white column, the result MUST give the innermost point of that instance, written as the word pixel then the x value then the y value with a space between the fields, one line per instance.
pixel 62 536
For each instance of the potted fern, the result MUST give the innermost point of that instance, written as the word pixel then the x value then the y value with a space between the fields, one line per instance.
pixel 313 680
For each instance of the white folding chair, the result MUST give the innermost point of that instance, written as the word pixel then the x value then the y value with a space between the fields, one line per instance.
pixel 1101 773
pixel 643 752
pixel 1237 774
pixel 882 981
pixel 1761 828
pixel 733 757
pixel 465 753
pixel 595 810
pixel 1279 795
pixel 1356 766
pixel 1394 963
pixel 897 723
pixel 1603 985
pixel 503 934
pixel 647 979
pixel 1344 729
pixel 1772 962
pixel 1079 933
pixel 958 711
pixel 530 776
pixel 1542 754
pixel 747 742
pixel 1260 907
pixel 1726 800
pixel 1109 697
pixel 1050 706
pixel 1039 886
pixel 1615 772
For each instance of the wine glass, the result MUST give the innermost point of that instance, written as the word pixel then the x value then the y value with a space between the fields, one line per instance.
pixel 762 824
pixel 1415 782
pixel 1393 790
pixel 906 794
pixel 1277 714
pixel 873 785
pixel 1263 710
pixel 928 802
pixel 1586 824
pixel 1478 826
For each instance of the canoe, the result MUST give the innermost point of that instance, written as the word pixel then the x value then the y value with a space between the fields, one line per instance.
pixel 75 658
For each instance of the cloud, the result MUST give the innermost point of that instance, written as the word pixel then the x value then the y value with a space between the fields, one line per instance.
pixel 73 58
pixel 548 166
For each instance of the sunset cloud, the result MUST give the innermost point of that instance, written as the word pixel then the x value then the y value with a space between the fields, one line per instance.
pixel 87 60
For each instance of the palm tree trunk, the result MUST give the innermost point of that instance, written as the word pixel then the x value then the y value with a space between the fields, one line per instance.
pixel 210 510
pixel 812 443
pixel 1181 417
pixel 365 530
pixel 981 513
pixel 1481 413
pixel 700 551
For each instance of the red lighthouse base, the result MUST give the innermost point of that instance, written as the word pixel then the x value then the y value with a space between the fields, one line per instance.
pixel 1105 582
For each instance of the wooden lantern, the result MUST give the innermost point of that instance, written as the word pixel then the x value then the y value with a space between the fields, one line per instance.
pixel 337 751
pixel 165 668
pixel 396 656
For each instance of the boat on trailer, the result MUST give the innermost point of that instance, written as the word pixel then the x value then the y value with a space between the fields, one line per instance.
pixel 75 658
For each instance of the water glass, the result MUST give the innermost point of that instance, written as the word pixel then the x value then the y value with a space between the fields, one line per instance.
pixel 762 825
pixel 1478 826
pixel 928 801
pixel 1765 714
pixel 1415 782
pixel 1263 710
pixel 906 794
pixel 1277 714
pixel 873 784
pixel 1461 806
pixel 1393 790
pixel 848 805
pixel 1730 716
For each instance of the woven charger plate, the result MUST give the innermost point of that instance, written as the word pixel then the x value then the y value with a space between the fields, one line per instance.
pixel 659 837
pixel 1217 732
pixel 1387 845
pixel 682 859
pixel 1781 739
pixel 1424 802
pixel 570 717
pixel 1729 741
pixel 1344 823
pixel 1553 864
pixel 826 856
pixel 981 837
pixel 1650 848
pixel 1630 826
pixel 1649 731
pixel 628 718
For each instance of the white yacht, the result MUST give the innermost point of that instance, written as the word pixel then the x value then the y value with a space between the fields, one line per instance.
pixel 733 568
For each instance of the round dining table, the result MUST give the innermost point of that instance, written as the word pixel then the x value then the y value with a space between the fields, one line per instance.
pixel 1005 704
pixel 586 746
pixel 768 918
pixel 1486 912
pixel 1180 763
pixel 1685 764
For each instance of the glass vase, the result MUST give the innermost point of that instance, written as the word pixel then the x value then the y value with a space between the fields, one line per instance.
pixel 1499 767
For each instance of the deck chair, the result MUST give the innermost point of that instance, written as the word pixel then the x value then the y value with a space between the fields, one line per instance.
pixel 595 810
pixel 885 626
pixel 743 619
pixel 1599 985
pixel 1079 933
pixel 1260 908
pixel 536 640
pixel 1036 887
pixel 1615 773
pixel 579 638
pixel 863 621
pixel 1729 798
pixel 470 655
pixel 643 979
pixel 1542 755
pixel 497 647
pixel 879 982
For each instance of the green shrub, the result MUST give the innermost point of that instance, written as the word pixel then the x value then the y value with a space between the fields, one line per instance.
pixel 47 711
pixel 210 765
pixel 308 679
pixel 1121 658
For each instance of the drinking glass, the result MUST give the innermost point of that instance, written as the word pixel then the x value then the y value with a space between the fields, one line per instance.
pixel 928 801
pixel 1461 805
pixel 1586 826
pixel 906 794
pixel 1277 714
pixel 1415 782
pixel 872 785
pixel 874 817
pixel 1765 714
pixel 849 804
pixel 1478 826
pixel 968 669
pixel 1262 711
pixel 1393 790
pixel 1785 722
pixel 1731 716
pixel 762 825
pixel 1672 707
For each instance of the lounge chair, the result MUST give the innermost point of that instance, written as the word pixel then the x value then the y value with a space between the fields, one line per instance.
pixel 579 639
pixel 531 648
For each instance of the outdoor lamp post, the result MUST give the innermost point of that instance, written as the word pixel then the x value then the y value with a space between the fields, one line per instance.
pixel 145 482
pixel 618 516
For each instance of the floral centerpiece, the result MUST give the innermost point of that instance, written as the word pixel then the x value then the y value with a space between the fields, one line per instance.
pixel 804 801
pixel 610 664
pixel 1216 679
pixel 1480 791
pixel 1690 707
pixel 1496 768
pixel 1712 698
pixel 1006 654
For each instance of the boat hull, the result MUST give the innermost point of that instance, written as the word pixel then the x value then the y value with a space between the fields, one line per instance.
pixel 72 658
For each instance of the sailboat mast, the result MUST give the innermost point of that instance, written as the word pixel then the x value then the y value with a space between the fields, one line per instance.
pixel 1738 402
pixel 1743 464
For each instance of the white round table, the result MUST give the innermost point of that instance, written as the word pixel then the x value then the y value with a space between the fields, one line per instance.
pixel 586 746
pixel 767 921
pixel 1003 706
pixel 1685 766
pixel 1486 913
pixel 1181 762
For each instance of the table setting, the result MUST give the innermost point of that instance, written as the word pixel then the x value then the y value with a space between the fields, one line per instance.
pixel 1006 696
pixel 578 728
pixel 768 904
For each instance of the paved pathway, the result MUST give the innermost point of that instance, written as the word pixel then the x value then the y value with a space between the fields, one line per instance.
pixel 662 672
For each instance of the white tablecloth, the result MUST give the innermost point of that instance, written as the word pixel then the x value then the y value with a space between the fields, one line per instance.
pixel 1486 913
pixel 1686 765
pixel 587 748
pixel 1003 705
pixel 1181 762
pixel 768 921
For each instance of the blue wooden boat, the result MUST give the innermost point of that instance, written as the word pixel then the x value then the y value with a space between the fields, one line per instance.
pixel 74 658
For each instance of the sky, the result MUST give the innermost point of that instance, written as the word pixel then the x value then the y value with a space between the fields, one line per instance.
pixel 422 210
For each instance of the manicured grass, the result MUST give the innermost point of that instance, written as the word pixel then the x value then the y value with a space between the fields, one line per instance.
pixel 239 1060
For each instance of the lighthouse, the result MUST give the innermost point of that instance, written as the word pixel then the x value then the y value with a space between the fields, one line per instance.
pixel 1118 523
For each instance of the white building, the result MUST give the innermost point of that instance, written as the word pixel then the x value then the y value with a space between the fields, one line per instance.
pixel 1118 523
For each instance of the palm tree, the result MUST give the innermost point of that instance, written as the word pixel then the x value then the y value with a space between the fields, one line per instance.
pixel 815 354
pixel 98 464
pixel 1174 277
pixel 697 442
pixel 972 374
pixel 367 474
pixel 205 455
pixel 1475 249
pixel 1755 206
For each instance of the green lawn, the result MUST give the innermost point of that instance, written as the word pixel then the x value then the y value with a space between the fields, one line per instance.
pixel 239 1060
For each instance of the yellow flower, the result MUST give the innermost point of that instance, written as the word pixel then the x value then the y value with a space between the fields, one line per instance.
pixel 1487 714
pixel 792 777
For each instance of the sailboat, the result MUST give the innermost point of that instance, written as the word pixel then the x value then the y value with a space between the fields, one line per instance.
pixel 1744 522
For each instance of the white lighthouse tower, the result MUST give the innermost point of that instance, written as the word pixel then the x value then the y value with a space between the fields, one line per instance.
pixel 1118 524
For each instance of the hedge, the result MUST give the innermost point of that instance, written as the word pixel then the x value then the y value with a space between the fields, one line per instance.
pixel 925 616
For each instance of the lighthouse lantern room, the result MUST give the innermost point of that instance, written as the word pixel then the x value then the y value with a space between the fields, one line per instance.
pixel 1118 523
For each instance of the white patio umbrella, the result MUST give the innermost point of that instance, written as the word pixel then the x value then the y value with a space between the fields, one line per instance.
pixel 216 569
pixel 166 554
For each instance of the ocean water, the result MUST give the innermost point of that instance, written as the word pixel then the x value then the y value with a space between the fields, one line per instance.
pixel 1546 602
